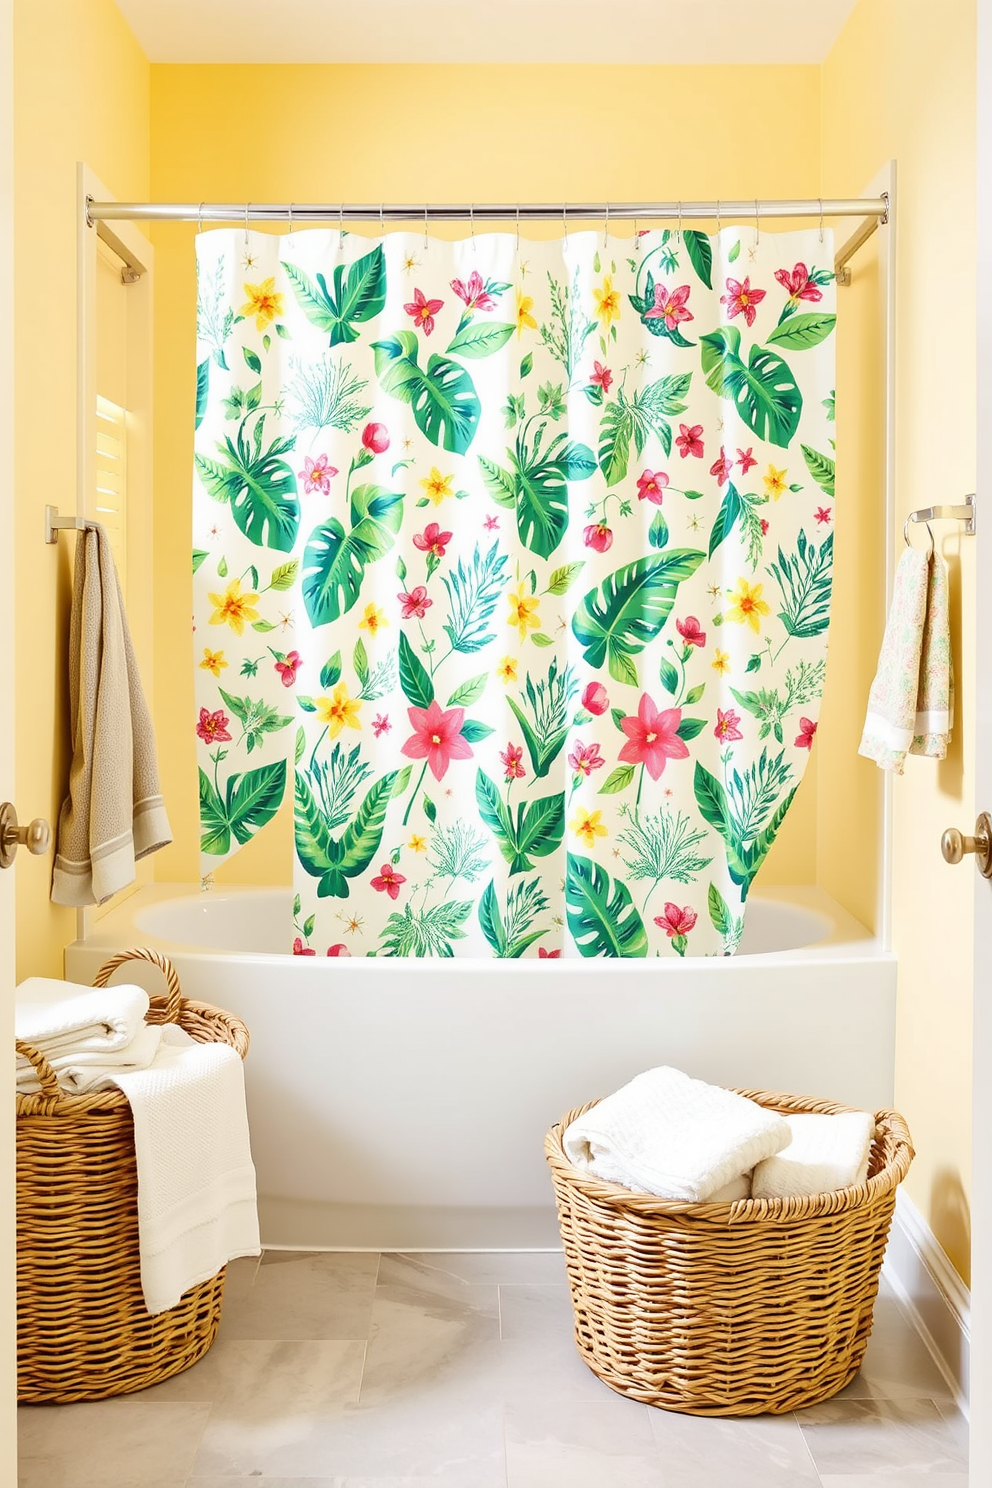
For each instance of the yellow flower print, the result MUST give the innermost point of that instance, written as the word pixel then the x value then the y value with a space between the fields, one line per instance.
pixel 263 303
pixel 417 844
pixel 213 661
pixel 747 605
pixel 233 608
pixel 775 482
pixel 437 486
pixel 720 662
pixel 523 613
pixel 338 711
pixel 525 304
pixel 373 620
pixel 607 303
pixel 587 826
pixel 507 669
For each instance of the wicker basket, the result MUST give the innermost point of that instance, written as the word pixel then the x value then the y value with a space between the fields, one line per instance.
pixel 83 1331
pixel 764 1305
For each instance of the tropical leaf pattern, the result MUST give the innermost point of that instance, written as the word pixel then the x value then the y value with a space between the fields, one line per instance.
pixel 520 557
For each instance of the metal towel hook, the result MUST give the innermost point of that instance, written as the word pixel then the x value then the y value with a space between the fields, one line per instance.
pixel 905 533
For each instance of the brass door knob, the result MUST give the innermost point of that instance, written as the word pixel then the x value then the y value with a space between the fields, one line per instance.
pixel 954 845
pixel 36 836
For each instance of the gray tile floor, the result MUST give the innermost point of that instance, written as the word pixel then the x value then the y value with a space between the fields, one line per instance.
pixel 412 1371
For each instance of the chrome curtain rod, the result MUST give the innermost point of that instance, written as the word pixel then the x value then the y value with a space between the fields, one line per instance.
pixel 876 207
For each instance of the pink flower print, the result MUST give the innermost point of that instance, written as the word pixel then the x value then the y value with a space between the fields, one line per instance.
pixel 338 950
pixel 601 377
pixel 690 631
pixel 212 727
pixel 722 468
pixel 437 737
pixel 316 475
pixel 798 284
pixel 375 438
pixel 388 881
pixel 415 604
pixel 490 523
pixel 822 514
pixel 474 293
pixel 299 949
pixel 726 726
pixel 746 460
pixel 598 537
pixel 432 540
pixel 651 485
pixel 423 311
pixel 381 725
pixel 670 306
pixel 288 666
pixel 652 737
pixel 807 729
pixel 688 442
pixel 511 762
pixel 544 955
pixel 676 921
pixel 585 758
pixel 594 698
pixel 741 299
pixel 764 526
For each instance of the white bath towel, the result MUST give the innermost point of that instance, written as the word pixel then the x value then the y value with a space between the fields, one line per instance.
pixel 82 1070
pixel 673 1136
pixel 66 1018
pixel 824 1153
pixel 737 1188
pixel 196 1181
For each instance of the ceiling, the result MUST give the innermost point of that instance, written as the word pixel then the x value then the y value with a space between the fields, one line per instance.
pixel 420 31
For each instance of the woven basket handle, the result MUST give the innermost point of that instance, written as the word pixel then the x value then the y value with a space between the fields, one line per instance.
pixel 174 1000
pixel 47 1078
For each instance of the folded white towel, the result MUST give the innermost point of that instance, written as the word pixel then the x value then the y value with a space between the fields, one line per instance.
pixel 825 1153
pixel 65 1018
pixel 94 1069
pixel 673 1136
pixel 196 1181
pixel 737 1188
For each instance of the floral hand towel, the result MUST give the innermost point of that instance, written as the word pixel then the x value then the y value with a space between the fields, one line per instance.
pixel 935 700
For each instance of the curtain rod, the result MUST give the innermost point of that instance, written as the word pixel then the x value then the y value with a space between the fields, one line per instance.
pixel 293 212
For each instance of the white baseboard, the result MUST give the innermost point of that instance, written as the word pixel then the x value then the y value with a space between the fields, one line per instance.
pixel 933 1294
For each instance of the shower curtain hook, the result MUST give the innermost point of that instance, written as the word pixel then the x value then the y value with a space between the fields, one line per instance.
pixel 564 219
pixel 291 216
pixel 820 200
pixel 382 222
pixel 719 219
pixel 637 236
pixel 518 227
pixel 606 233
pixel 247 205
pixel 680 225
pixel 199 219
pixel 471 219
pixel 757 224
pixel 425 227
pixel 340 226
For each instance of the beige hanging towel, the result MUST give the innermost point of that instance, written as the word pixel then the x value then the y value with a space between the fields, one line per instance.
pixel 911 704
pixel 114 813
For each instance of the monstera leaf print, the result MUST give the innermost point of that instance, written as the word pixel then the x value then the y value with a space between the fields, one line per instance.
pixel 259 486
pixel 442 397
pixel 765 393
pixel 333 860
pixel 626 612
pixel 602 917
pixel 358 295
pixel 335 561
pixel 249 801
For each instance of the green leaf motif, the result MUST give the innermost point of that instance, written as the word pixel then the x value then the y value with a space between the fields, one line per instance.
pixel 251 799
pixel 415 679
pixel 658 531
pixel 821 467
pixel 800 332
pixel 805 578
pixel 199 554
pixel 358 296
pixel 284 577
pixel 473 732
pixel 535 829
pixel 481 338
pixel 765 393
pixel 330 672
pixel 202 391
pixel 563 578
pixel 442 397
pixel 602 918
pixel 628 610
pixel 426 932
pixel 618 780
pixel 498 482
pixel 541 490
pixel 615 434
pixel 669 675
pixel 700 251
pixel 254 362
pixel 260 488
pixel 334 561
pixel 720 917
pixel 468 692
pixel 333 860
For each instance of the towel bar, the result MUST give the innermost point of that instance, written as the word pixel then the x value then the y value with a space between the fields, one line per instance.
pixel 928 514
pixel 56 523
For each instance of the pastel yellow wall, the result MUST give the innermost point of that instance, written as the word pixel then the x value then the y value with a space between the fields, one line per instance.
pixel 899 85
pixel 392 133
pixel 81 92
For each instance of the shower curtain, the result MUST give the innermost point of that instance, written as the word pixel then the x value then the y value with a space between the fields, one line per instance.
pixel 512 572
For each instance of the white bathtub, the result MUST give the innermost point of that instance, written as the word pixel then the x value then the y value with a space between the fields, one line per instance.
pixel 402 1104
